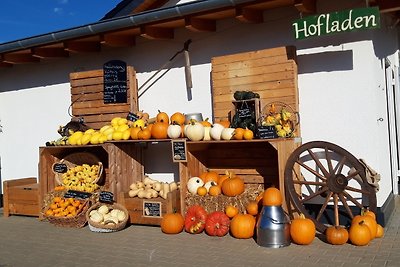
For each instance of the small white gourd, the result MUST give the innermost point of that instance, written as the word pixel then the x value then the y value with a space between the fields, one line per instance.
pixel 121 215
pixel 209 184
pixel 174 131
pixel 195 131
pixel 194 183
pixel 216 131
pixel 227 133
pixel 207 136
pixel 103 209
pixel 96 217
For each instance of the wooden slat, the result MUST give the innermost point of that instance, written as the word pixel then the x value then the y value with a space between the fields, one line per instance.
pixel 251 63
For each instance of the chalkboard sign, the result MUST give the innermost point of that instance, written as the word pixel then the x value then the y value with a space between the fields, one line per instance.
pixel 266 132
pixel 179 150
pixel 60 168
pixel 77 194
pixel 132 117
pixel 151 209
pixel 115 82
pixel 244 112
pixel 106 196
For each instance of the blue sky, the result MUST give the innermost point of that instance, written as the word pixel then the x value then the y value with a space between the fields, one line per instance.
pixel 26 18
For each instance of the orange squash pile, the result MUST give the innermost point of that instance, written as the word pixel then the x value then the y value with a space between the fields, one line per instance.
pixel 64 207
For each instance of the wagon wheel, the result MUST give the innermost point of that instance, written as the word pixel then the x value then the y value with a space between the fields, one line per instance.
pixel 327 175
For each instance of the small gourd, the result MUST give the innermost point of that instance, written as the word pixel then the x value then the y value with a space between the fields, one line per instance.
pixel 103 209
pixel 216 131
pixel 174 131
pixel 227 133
pixel 195 131
pixel 96 216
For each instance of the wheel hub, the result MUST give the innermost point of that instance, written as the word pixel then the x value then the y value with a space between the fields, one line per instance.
pixel 337 183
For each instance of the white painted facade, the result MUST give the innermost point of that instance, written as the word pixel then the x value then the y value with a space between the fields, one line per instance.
pixel 342 89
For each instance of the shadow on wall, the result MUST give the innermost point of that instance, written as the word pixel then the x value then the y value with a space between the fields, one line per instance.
pixel 325 62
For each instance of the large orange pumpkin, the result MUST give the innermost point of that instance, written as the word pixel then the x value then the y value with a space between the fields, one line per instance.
pixel 178 118
pixel 359 234
pixel 208 176
pixel 233 186
pixel 302 230
pixel 368 221
pixel 159 130
pixel 272 197
pixel 172 223
pixel 242 226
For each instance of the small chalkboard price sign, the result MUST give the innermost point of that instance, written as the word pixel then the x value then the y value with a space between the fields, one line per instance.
pixel 106 196
pixel 77 194
pixel 60 168
pixel 132 117
pixel 152 209
pixel 179 153
pixel 115 82
pixel 244 112
pixel 266 132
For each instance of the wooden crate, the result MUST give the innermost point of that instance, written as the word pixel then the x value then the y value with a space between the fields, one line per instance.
pixel 150 211
pixel 258 162
pixel 21 196
pixel 87 98
pixel 272 73
pixel 122 164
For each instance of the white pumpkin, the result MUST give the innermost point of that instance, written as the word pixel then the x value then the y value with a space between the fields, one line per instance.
pixel 216 131
pixel 194 183
pixel 209 184
pixel 174 131
pixel 96 216
pixel 103 209
pixel 207 136
pixel 195 131
pixel 227 133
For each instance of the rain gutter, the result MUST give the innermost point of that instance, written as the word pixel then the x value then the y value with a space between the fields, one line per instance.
pixel 143 18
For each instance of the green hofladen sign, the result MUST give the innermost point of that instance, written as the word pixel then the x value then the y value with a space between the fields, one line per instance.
pixel 337 22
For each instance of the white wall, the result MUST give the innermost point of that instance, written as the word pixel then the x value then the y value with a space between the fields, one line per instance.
pixel 340 88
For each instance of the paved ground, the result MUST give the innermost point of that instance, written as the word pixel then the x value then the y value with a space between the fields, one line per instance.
pixel 26 241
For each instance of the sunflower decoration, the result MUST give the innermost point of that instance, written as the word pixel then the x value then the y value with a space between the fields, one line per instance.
pixel 281 117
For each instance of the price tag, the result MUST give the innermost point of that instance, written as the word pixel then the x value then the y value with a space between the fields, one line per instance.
pixel 77 194
pixel 152 209
pixel 266 132
pixel 179 153
pixel 106 196
pixel 60 168
pixel 132 117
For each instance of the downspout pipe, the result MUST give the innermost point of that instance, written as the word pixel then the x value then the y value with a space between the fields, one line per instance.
pixel 143 18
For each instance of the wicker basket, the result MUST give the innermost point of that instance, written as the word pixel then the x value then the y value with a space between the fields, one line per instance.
pixel 101 228
pixel 275 108
pixel 77 221
pixel 76 159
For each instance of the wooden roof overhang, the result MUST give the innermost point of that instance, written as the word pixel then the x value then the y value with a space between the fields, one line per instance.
pixel 153 24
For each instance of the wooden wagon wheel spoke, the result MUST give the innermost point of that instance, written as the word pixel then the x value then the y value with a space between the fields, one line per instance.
pixel 321 211
pixel 315 194
pixel 318 174
pixel 352 199
pixel 346 206
pixel 311 170
pixel 319 164
pixel 309 182
pixel 357 190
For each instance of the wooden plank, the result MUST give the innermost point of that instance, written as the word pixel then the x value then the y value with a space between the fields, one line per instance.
pixel 251 63
pixel 86 74
pixel 101 110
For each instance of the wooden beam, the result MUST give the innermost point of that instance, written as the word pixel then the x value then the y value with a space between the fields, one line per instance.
pixel 49 52
pixel 19 58
pixel 82 46
pixel 152 32
pixel 116 40
pixel 306 6
pixel 249 15
pixel 200 25
pixel 4 64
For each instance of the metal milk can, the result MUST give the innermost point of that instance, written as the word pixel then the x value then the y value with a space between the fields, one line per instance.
pixel 273 227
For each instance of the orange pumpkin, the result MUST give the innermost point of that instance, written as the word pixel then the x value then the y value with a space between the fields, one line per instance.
pixel 252 208
pixel 368 221
pixel 214 190
pixel 336 235
pixel 162 117
pixel 242 226
pixel 172 223
pixel 159 130
pixel 178 118
pixel 144 134
pixel 134 132
pixel 222 178
pixel 201 191
pixel 359 234
pixel 369 213
pixel 302 230
pixel 238 134
pixel 206 123
pixel 208 176
pixel 272 197
pixel 380 231
pixel 233 186
pixel 248 134
pixel 225 123
pixel 231 211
